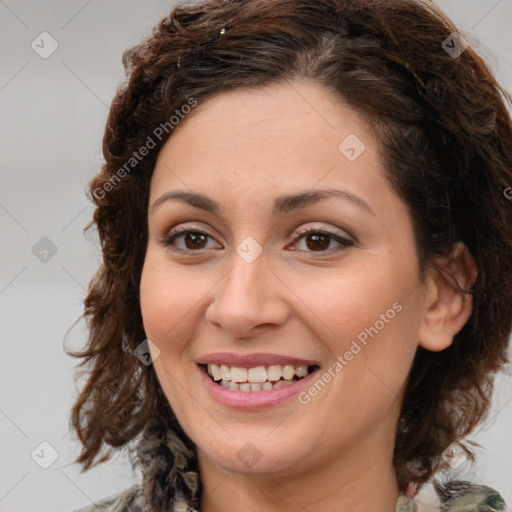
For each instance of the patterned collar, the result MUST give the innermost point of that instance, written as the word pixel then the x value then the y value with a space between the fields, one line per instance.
pixel 171 483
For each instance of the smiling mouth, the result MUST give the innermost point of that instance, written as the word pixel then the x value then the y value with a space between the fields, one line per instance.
pixel 257 378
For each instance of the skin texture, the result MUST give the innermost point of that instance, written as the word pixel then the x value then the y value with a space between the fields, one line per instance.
pixel 243 148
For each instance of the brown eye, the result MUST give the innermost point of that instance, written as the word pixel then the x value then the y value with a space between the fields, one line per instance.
pixel 319 240
pixel 193 240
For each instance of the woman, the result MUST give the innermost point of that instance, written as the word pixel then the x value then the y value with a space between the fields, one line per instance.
pixel 307 259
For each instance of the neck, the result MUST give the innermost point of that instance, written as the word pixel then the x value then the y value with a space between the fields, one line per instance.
pixel 361 479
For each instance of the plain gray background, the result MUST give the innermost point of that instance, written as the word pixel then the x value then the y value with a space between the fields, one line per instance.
pixel 53 114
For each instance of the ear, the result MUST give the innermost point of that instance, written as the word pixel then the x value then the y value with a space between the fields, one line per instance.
pixel 447 309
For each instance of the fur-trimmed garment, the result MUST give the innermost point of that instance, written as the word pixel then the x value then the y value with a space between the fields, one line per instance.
pixel 170 483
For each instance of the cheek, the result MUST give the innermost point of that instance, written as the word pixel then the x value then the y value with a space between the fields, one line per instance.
pixel 370 321
pixel 350 305
pixel 166 300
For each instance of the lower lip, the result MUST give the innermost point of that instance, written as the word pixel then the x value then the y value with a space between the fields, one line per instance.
pixel 253 399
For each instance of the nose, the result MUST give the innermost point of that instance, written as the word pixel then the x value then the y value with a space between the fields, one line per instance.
pixel 249 298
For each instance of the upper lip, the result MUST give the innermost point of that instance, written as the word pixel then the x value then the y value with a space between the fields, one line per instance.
pixel 252 360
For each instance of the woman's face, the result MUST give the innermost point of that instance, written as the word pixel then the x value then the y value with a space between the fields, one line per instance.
pixel 343 303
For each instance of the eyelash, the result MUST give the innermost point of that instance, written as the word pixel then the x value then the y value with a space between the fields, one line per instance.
pixel 300 234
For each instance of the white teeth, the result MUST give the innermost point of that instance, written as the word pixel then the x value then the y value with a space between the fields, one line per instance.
pixel 225 372
pixel 238 374
pixel 215 369
pixel 245 386
pixel 300 371
pixel 283 383
pixel 288 372
pixel 256 386
pixel 257 374
pixel 274 372
pixel 265 376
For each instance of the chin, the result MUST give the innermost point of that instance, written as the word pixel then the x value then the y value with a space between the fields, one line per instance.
pixel 250 455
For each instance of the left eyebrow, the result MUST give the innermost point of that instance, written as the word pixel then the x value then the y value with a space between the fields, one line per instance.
pixel 285 204
pixel 282 204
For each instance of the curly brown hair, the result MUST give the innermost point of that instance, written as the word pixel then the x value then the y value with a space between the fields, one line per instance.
pixel 445 134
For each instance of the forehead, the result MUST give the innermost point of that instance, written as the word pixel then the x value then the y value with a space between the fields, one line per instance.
pixel 282 112
pixel 289 130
